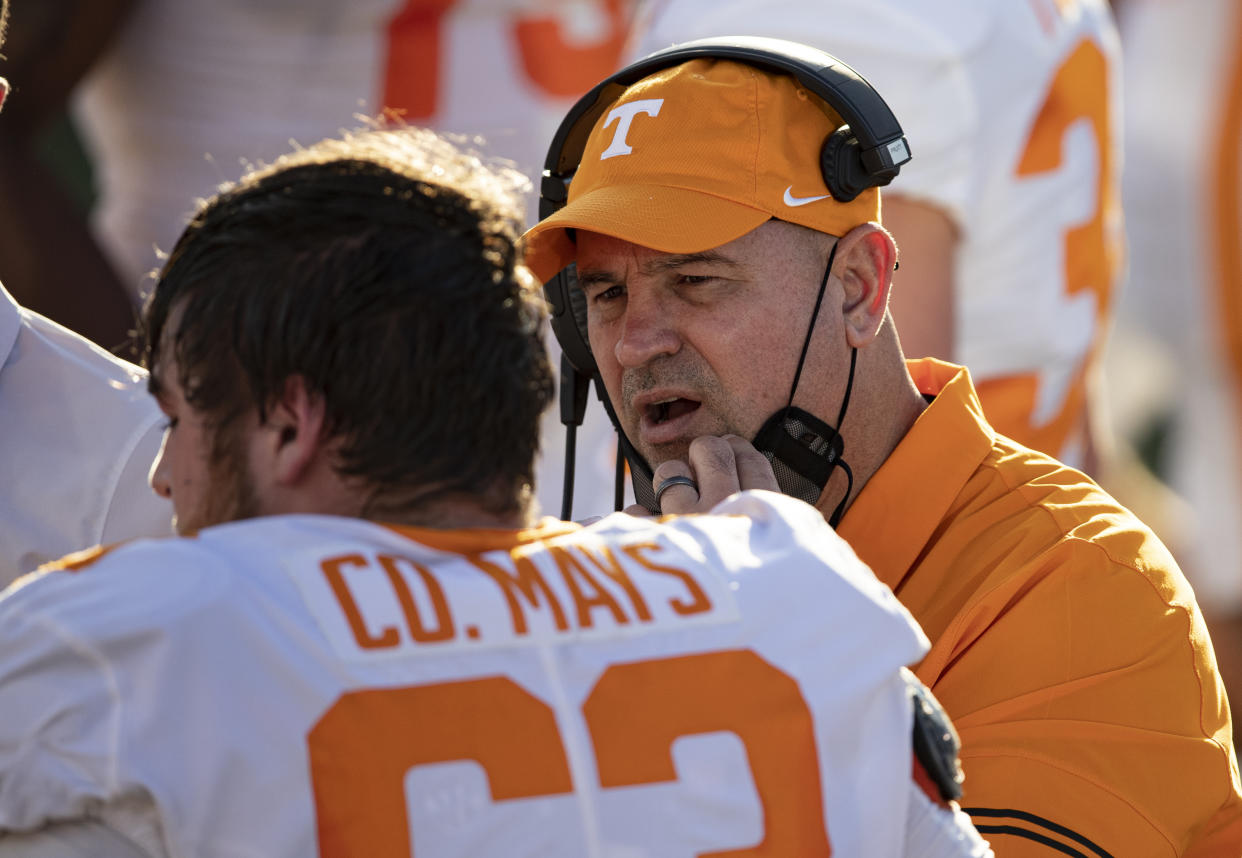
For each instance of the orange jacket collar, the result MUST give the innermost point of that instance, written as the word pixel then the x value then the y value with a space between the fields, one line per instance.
pixel 902 504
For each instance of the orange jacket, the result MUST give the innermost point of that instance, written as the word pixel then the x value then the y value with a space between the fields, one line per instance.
pixel 1066 644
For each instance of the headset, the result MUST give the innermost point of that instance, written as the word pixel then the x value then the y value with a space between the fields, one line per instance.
pixel 867 151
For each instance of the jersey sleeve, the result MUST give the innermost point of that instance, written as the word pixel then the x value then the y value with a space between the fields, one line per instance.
pixel 102 420
pixel 786 531
pixel 60 727
pixel 134 510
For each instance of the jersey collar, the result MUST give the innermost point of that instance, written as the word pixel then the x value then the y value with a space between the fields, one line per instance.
pixel 903 503
pixel 471 541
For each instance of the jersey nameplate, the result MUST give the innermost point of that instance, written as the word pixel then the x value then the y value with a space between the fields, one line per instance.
pixel 371 602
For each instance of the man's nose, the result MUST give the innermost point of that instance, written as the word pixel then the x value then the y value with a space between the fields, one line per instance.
pixel 649 331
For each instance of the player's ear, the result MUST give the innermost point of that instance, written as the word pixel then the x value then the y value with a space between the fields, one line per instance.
pixel 864 265
pixel 294 434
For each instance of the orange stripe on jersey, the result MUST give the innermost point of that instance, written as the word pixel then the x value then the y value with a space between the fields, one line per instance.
pixel 478 540
pixel 78 560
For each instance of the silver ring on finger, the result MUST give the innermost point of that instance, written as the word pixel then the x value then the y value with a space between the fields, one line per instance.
pixel 677 480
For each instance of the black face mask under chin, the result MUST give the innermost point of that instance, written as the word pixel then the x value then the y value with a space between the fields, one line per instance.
pixel 803 449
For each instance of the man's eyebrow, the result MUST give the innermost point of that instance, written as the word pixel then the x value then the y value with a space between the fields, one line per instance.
pixel 600 277
pixel 677 260
pixel 595 277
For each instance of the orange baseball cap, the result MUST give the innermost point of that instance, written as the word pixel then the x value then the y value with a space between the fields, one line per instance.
pixel 694 156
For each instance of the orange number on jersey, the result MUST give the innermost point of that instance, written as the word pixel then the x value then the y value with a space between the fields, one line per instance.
pixel 735 691
pixel 562 68
pixel 1079 91
pixel 412 67
pixel 362 748
pixel 555 65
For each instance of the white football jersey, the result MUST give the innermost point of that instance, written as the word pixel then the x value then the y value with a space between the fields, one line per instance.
pixel 1011 109
pixel 302 685
pixel 191 92
pixel 78 434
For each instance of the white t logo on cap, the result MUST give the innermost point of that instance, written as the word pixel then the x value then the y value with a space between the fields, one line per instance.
pixel 626 113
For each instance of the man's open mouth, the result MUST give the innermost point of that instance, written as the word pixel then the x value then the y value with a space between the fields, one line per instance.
pixel 670 409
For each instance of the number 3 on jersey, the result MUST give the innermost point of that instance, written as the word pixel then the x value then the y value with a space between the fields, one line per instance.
pixel 364 745
pixel 1079 92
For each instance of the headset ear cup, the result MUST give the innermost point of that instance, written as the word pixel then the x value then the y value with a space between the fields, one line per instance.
pixel 840 159
pixel 568 319
pixel 585 358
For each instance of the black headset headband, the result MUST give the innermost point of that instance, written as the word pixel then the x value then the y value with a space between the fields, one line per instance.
pixel 866 152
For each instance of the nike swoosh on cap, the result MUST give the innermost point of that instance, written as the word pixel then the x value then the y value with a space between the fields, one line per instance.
pixel 791 200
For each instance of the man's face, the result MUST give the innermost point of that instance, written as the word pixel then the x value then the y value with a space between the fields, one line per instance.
pixel 705 343
pixel 202 469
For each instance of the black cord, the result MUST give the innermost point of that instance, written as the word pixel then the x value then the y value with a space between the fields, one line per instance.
pixel 567 496
pixel 618 496
pixel 806 341
pixel 849 487
pixel 849 386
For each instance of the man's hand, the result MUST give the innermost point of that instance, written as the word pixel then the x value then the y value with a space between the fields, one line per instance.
pixel 719 466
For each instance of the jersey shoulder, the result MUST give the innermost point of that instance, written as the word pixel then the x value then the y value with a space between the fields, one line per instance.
pixel 777 553
pixel 130 584
pixel 54 343
pixel 173 593
pixel 781 531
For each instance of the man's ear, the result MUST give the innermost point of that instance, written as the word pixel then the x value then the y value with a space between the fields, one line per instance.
pixel 864 265
pixel 295 431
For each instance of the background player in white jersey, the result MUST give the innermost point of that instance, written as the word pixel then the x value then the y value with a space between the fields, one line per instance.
pixel 77 436
pixel 350 335
pixel 188 90
pixel 1008 218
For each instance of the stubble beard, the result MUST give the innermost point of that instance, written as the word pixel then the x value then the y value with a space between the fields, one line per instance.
pixel 231 493
pixel 687 376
